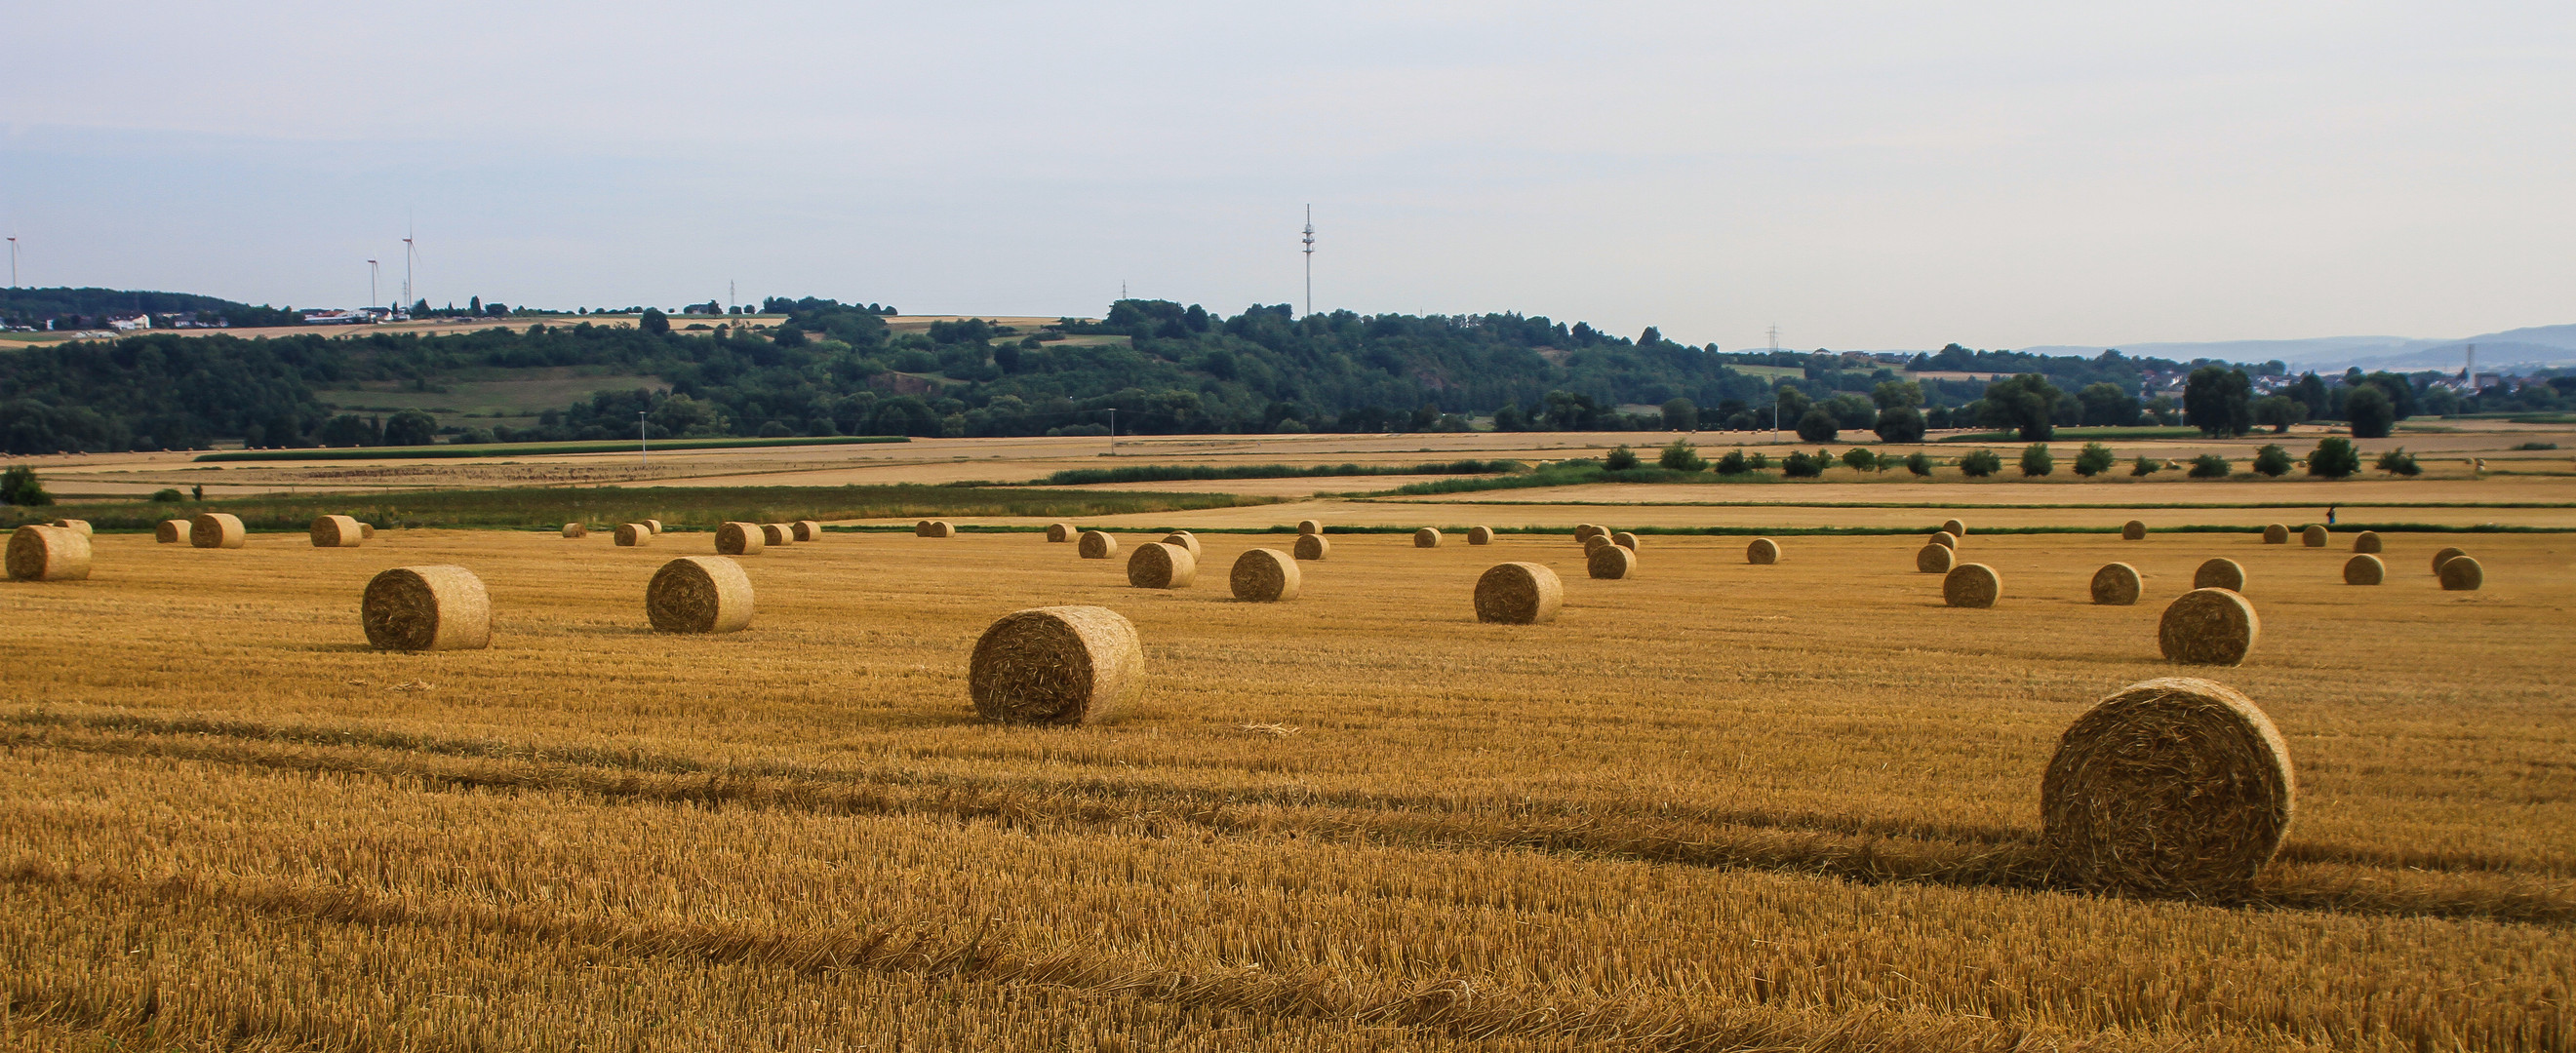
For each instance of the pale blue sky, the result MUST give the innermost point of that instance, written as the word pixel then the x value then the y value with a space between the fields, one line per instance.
pixel 1864 175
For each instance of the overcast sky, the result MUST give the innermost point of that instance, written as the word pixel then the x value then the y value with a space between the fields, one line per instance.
pixel 1862 175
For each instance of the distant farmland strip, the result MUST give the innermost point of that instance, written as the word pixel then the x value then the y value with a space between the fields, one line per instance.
pixel 530 449
pixel 1165 473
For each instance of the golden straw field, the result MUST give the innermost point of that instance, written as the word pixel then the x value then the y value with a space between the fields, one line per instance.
pixel 1712 806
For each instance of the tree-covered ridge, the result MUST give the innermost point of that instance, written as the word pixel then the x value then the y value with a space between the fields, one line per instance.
pixel 70 308
pixel 1156 366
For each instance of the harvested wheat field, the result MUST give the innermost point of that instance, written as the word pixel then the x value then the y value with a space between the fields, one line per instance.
pixel 1714 806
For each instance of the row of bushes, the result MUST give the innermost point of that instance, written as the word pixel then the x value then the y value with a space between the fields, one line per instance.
pixel 2334 458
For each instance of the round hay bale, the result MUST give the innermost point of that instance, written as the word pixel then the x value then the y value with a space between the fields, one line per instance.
pixel 1625 539
pixel 1954 528
pixel 2116 585
pixel 81 525
pixel 2219 574
pixel 1943 538
pixel 632 535
pixel 1596 541
pixel 2276 534
pixel 2313 536
pixel 933 528
pixel 1309 526
pixel 427 609
pixel 1264 575
pixel 1057 533
pixel 1935 559
pixel 1518 594
pixel 656 524
pixel 2133 530
pixel 774 535
pixel 1055 665
pixel 2172 787
pixel 738 539
pixel 2366 541
pixel 576 530
pixel 699 594
pixel 216 530
pixel 1312 546
pixel 1096 545
pixel 171 532
pixel 2364 569
pixel 1609 562
pixel 366 531
pixel 1427 537
pixel 1161 565
pixel 2445 556
pixel 1585 532
pixel 804 530
pixel 1971 585
pixel 1480 535
pixel 1763 551
pixel 1186 540
pixel 2209 626
pixel 48 553
pixel 336 532
pixel 2463 574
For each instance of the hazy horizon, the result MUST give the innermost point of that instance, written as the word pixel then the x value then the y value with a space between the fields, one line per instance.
pixel 1871 176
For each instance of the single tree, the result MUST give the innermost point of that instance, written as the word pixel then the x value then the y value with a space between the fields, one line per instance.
pixel 2035 460
pixel 2145 466
pixel 1819 425
pixel 1859 458
pixel 2094 459
pixel 1620 459
pixel 411 428
pixel 2279 411
pixel 1919 463
pixel 2209 466
pixel 1732 463
pixel 1980 464
pixel 2398 462
pixel 2219 401
pixel 19 486
pixel 1680 456
pixel 655 322
pixel 1899 424
pixel 2026 403
pixel 2272 461
pixel 2334 458
pixel 2372 413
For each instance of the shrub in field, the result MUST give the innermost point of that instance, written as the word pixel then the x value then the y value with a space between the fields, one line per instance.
pixel 1919 463
pixel 19 486
pixel 1758 461
pixel 1819 425
pixel 1801 466
pixel 2398 462
pixel 168 495
pixel 2209 466
pixel 1731 464
pixel 2094 459
pixel 2035 460
pixel 2145 466
pixel 1680 456
pixel 1981 464
pixel 1620 459
pixel 1861 459
pixel 2334 459
pixel 2272 460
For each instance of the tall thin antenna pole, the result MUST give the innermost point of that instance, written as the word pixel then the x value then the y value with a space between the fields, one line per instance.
pixel 371 285
pixel 1310 259
pixel 733 305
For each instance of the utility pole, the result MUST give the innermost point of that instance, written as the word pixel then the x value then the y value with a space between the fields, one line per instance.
pixel 1310 259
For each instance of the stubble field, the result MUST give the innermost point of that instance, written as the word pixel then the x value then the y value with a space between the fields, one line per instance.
pixel 1715 806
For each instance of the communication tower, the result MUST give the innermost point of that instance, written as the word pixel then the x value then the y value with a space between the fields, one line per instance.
pixel 1310 259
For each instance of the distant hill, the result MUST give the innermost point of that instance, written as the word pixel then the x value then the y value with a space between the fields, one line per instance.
pixel 2524 349
pixel 35 307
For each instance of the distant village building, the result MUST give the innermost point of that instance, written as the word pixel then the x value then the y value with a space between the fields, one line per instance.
pixel 130 323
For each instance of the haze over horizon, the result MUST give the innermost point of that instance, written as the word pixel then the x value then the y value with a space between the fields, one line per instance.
pixel 1868 176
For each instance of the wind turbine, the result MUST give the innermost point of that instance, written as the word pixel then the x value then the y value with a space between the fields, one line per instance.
pixel 411 251
pixel 13 261
pixel 371 284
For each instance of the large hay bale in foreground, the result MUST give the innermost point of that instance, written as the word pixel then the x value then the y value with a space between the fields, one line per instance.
pixel 576 530
pixel 1427 537
pixel 1161 565
pixel 2276 534
pixel 776 535
pixel 633 535
pixel 2446 555
pixel 1609 562
pixel 437 608
pixel 804 530
pixel 217 530
pixel 699 594
pixel 2209 626
pixel 1480 535
pixel 1057 533
pixel 1954 528
pixel 1096 545
pixel 2219 574
pixel 171 532
pixel 1264 575
pixel 1943 538
pixel 2133 530
pixel 1186 540
pixel 1625 539
pixel 933 528
pixel 1971 585
pixel 81 525
pixel 738 539
pixel 2463 574
pixel 1055 665
pixel 2312 536
pixel 2366 541
pixel 336 532
pixel 1312 546
pixel 48 553
pixel 1518 594
pixel 1763 551
pixel 2364 569
pixel 2171 787
pixel 1309 526
pixel 2116 585
pixel 1935 559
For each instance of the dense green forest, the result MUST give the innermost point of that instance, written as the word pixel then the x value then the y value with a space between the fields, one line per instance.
pixel 1154 366
pixel 69 308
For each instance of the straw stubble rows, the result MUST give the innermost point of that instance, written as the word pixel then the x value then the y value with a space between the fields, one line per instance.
pixel 1713 803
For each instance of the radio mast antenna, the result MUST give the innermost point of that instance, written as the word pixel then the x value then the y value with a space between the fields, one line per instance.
pixel 1310 259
